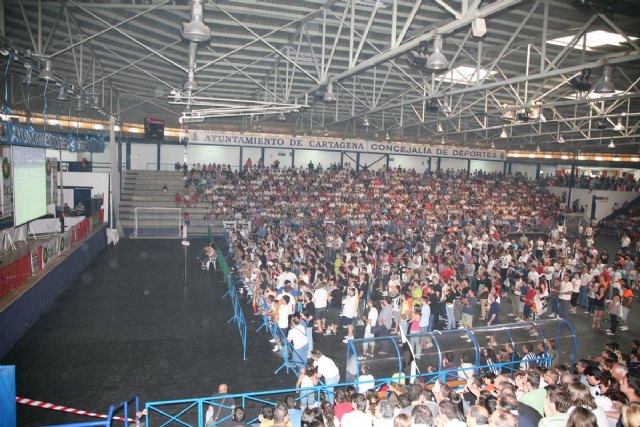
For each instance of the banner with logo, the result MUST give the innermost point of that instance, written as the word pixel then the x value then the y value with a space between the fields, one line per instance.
pixel 65 241
pixel 6 183
pixel 35 262
pixel 50 250
pixel 350 145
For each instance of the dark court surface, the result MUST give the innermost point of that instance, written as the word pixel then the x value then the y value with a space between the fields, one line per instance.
pixel 129 325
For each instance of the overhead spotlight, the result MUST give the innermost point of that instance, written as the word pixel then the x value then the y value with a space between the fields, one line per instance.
pixel 282 117
pixel 328 93
pixel 437 60
pixel 619 127
pixel 537 149
pixel 605 85
pixel 504 133
pixel 196 30
pixel 611 144
pixel 560 139
pixel 445 109
pixel 259 127
pixel 493 146
pixel 325 133
pixel 388 137
pixel 365 121
pixel 27 81
pixel 62 95
pixel 95 102
pixel 47 73
pixel 440 130
pixel 541 118
pixel 443 140
pixel 79 106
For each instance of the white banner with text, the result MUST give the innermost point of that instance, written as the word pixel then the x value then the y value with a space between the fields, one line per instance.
pixel 332 144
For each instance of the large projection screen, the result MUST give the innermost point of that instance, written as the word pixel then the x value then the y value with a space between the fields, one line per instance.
pixel 29 184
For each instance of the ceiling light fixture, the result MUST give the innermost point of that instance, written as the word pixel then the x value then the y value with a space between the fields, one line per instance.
pixel 191 83
pixel 440 130
pixel 259 127
pixel 443 140
pixel 445 109
pixel 388 137
pixel 365 121
pixel 541 118
pixel 493 145
pixel 282 117
pixel 605 85
pixel 47 73
pixel 560 139
pixel 328 93
pixel 27 78
pixel 437 60
pixel 504 133
pixel 619 127
pixel 62 95
pixel 611 144
pixel 537 149
pixel 326 133
pixel 196 30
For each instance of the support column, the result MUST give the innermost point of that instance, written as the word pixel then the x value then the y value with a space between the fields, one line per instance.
pixel 357 162
pixel 158 164
pixel 262 152
pixel 572 179
pixel 293 158
pixel 341 159
pixel 387 162
pixel 429 164
pixel 469 166
pixel 438 162
pixel 127 156
pixel 537 171
pixel 507 168
pixel 241 164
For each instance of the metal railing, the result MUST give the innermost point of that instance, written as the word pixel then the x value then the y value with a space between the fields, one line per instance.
pixel 238 314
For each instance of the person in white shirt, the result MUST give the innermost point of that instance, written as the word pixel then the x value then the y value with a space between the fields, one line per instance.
pixel 358 417
pixel 350 312
pixel 328 370
pixel 297 336
pixel 320 297
pixel 283 313
pixel 371 319
pixel 566 289
pixel 366 381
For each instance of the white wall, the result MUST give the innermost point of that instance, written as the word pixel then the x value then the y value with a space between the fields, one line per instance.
pixel 373 161
pixel 325 158
pixel 525 169
pixel 170 155
pixel 420 164
pixel 253 153
pixel 282 154
pixel 213 154
pixel 448 163
pixel 486 166
pixel 585 197
pixel 97 181
pixel 67 156
pixel 144 157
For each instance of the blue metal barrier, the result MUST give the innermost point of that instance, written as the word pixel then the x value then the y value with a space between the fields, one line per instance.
pixel 192 412
pixel 113 409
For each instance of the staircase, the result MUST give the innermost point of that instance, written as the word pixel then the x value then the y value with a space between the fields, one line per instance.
pixel 144 189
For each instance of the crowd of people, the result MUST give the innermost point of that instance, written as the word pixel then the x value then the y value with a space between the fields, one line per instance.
pixel 398 252
pixel 399 197
pixel 595 183
pixel 602 391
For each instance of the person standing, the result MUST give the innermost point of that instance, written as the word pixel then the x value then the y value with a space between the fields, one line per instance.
pixel 328 370
pixel 350 312
pixel 614 309
pixel 370 321
pixel 468 309
pixel 566 289
pixel 297 336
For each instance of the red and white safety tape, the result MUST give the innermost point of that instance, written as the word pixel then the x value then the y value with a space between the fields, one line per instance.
pixel 53 407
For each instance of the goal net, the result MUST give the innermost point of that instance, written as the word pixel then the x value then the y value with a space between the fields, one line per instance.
pixel 153 222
